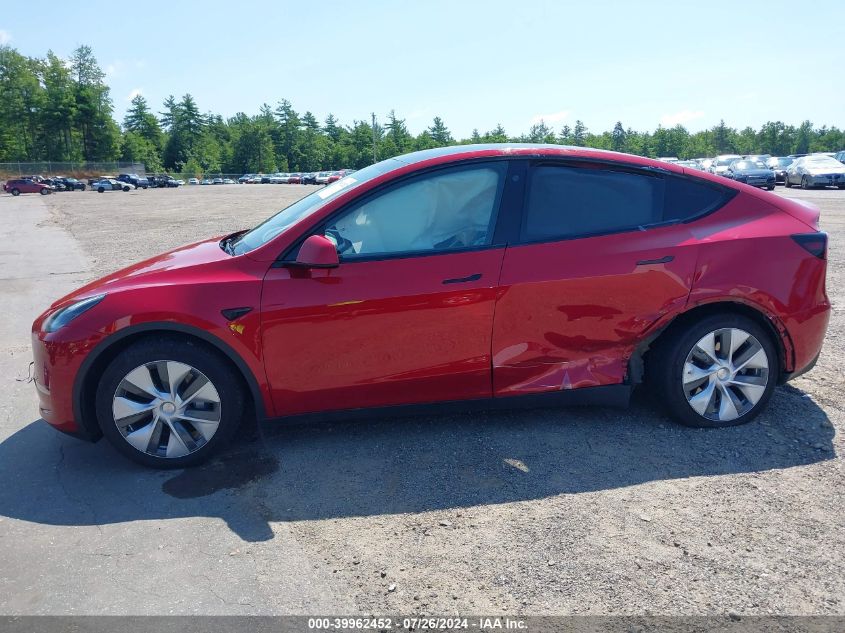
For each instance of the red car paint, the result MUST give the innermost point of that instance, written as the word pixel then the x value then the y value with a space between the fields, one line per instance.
pixel 538 318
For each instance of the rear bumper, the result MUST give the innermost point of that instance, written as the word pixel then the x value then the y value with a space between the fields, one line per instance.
pixel 807 331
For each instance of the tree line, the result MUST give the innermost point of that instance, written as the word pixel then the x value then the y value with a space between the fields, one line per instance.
pixel 52 109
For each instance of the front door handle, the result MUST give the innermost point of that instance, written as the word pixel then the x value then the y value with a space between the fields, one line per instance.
pixel 463 280
pixel 662 260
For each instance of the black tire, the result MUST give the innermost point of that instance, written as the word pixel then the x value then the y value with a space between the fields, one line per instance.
pixel 183 350
pixel 772 188
pixel 101 189
pixel 126 188
pixel 82 188
pixel 786 182
pixel 45 191
pixel 15 192
pixel 665 367
pixel 804 183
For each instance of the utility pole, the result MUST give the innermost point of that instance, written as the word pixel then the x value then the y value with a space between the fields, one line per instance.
pixel 374 137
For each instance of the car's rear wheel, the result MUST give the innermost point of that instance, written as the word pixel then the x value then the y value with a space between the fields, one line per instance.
pixel 805 183
pixel 126 188
pixel 44 191
pixel 719 371
pixel 100 189
pixel 15 192
pixel 168 403
pixel 786 182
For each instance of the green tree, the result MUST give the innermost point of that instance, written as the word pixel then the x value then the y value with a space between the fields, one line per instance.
pixel 440 133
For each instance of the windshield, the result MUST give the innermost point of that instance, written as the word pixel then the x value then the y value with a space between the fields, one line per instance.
pixel 784 162
pixel 822 161
pixel 749 164
pixel 724 162
pixel 305 207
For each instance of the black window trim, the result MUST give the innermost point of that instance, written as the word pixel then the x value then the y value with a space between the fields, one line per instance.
pixel 289 255
pixel 729 194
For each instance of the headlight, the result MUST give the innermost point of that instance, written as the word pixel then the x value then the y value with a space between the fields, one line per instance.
pixel 63 316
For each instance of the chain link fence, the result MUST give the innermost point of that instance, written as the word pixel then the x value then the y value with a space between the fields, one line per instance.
pixel 76 170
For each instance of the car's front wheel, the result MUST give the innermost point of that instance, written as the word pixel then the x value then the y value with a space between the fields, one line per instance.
pixel 719 371
pixel 15 192
pixel 169 403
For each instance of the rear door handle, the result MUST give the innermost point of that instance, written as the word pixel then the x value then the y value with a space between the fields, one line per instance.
pixel 662 260
pixel 463 280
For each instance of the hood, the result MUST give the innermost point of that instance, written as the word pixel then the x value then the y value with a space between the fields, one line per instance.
pixel 173 266
pixel 755 172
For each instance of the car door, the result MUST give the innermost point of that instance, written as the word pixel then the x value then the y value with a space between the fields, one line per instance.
pixel 602 257
pixel 407 316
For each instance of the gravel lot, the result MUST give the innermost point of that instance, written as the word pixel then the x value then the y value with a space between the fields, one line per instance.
pixel 581 511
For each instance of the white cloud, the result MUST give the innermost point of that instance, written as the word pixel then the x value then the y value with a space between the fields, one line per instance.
pixel 679 118
pixel 5 37
pixel 134 93
pixel 552 117
pixel 114 69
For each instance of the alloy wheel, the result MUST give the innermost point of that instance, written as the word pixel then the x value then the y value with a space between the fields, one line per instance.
pixel 725 374
pixel 166 409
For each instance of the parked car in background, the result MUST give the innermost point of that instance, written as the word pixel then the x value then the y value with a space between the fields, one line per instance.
pixel 140 182
pixel 206 181
pixel 180 182
pixel 779 164
pixel 55 183
pixel 17 186
pixel 333 177
pixel 245 178
pixel 527 275
pixel 71 184
pixel 816 170
pixel 705 163
pixel 112 184
pixel 840 156
pixel 751 172
pixel 309 178
pixel 278 179
pixel 689 164
pixel 217 181
pixel 228 181
pixel 669 159
pixel 162 181
pixel 721 163
pixel 322 177
pixel 758 157
pixel 193 181
pixel 295 178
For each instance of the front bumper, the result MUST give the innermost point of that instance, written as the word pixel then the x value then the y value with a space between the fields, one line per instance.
pixel 57 360
pixel 826 180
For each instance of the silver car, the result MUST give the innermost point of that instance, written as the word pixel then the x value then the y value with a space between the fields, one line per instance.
pixel 720 164
pixel 816 170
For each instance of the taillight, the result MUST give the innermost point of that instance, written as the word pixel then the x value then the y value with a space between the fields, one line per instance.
pixel 813 243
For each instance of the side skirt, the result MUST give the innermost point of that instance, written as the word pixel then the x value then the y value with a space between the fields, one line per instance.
pixel 605 396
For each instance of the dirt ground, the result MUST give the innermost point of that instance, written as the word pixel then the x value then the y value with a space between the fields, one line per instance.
pixel 565 511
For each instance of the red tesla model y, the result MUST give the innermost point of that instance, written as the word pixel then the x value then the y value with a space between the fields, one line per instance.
pixel 491 275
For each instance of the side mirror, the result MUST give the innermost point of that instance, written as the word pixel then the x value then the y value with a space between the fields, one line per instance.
pixel 317 252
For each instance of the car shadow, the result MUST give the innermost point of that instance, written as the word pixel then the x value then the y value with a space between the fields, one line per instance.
pixel 405 465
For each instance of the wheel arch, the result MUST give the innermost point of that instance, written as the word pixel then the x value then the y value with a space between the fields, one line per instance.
pixel 780 337
pixel 84 387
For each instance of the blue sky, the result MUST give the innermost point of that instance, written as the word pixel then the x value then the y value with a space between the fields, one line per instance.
pixel 475 64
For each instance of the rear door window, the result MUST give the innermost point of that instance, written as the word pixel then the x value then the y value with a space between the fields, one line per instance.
pixel 566 201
